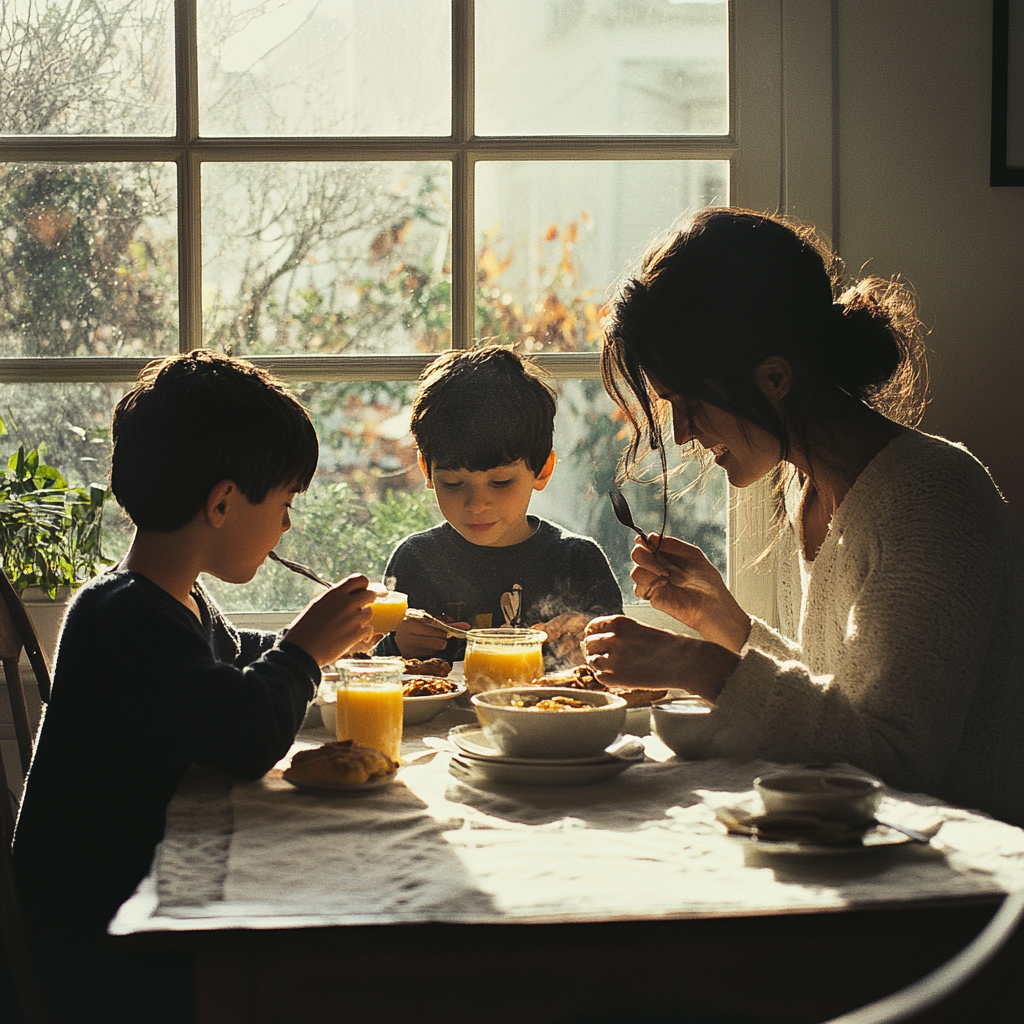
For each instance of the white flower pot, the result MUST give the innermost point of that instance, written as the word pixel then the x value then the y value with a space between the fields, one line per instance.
pixel 47 618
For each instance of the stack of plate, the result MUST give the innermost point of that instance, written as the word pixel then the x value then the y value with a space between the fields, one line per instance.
pixel 478 760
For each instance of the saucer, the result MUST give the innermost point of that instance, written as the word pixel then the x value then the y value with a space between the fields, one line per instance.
pixel 521 773
pixel 473 744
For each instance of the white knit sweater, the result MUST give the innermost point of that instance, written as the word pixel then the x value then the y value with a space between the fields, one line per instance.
pixel 908 629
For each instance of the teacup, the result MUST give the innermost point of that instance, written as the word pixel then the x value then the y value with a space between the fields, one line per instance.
pixel 839 795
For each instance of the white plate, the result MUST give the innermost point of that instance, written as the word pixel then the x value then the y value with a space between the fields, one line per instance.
pixel 375 782
pixel 517 773
pixel 472 743
pixel 875 838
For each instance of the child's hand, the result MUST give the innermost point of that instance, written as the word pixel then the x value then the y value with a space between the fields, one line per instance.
pixel 416 639
pixel 565 633
pixel 336 622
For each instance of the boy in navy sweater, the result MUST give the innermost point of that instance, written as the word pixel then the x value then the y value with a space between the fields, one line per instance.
pixel 150 678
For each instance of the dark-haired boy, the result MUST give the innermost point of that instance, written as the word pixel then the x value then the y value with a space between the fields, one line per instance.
pixel 483 421
pixel 150 678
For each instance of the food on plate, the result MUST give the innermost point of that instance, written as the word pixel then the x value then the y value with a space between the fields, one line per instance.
pixel 427 686
pixel 427 667
pixel 583 678
pixel 339 763
pixel 561 702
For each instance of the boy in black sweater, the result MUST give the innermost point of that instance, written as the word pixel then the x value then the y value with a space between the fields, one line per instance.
pixel 483 421
pixel 150 678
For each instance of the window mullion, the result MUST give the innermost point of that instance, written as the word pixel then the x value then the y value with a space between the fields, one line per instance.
pixel 190 262
pixel 463 128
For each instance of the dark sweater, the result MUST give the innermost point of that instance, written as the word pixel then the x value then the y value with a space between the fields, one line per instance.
pixel 559 571
pixel 141 690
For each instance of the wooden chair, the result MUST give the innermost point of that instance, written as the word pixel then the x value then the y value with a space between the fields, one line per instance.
pixel 16 633
pixel 908 1003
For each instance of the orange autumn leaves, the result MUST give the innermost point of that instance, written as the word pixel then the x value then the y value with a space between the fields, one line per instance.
pixel 560 317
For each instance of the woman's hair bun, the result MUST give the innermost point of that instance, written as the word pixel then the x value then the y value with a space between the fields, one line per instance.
pixel 867 351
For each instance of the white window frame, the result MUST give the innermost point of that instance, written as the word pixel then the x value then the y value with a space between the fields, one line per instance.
pixel 779 146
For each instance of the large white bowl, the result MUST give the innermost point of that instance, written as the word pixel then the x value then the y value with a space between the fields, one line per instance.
pixel 522 732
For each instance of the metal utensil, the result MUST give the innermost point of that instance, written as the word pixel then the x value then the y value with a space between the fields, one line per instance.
pixel 301 569
pixel 421 616
pixel 622 512
pixel 925 836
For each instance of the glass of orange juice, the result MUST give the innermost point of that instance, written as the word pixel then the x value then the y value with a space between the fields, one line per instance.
pixel 506 656
pixel 369 708
pixel 388 608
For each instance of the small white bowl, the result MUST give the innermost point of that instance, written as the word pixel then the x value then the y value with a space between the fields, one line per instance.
pixel 526 732
pixel 416 710
pixel 679 722
pixel 842 796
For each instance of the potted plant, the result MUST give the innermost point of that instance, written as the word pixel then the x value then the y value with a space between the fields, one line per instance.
pixel 49 538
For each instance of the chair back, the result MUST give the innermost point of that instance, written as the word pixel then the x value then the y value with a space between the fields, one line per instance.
pixel 17 633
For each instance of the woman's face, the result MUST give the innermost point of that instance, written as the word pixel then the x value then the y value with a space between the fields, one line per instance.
pixel 745 451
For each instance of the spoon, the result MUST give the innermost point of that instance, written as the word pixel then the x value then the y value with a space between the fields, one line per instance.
pixel 421 616
pixel 301 569
pixel 918 837
pixel 622 512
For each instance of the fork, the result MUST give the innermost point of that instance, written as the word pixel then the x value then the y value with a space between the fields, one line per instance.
pixel 622 512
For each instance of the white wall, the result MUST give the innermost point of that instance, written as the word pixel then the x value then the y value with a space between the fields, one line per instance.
pixel 914 197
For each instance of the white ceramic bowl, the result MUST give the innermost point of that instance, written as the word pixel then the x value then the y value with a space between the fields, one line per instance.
pixel 523 732
pixel 416 710
pixel 679 722
pixel 830 794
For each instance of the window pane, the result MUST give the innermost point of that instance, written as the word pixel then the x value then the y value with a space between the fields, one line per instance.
pixel 69 424
pixel 368 493
pixel 602 67
pixel 87 68
pixel 552 237
pixel 88 261
pixel 327 257
pixel 302 67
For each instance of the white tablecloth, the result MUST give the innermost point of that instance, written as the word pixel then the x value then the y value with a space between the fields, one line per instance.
pixel 643 844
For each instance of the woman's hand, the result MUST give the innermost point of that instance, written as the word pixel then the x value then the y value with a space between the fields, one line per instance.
pixel 336 622
pixel 681 581
pixel 416 639
pixel 623 651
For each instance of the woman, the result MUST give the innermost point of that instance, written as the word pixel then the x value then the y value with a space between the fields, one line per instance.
pixel 897 570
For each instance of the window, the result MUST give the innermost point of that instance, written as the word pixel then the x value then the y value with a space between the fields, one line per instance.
pixel 341 190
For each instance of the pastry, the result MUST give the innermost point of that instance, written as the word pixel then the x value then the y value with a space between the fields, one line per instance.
pixel 338 763
pixel 582 678
pixel 429 667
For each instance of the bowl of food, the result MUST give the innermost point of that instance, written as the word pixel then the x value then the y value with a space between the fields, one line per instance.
pixel 549 722
pixel 679 722
pixel 424 697
pixel 841 796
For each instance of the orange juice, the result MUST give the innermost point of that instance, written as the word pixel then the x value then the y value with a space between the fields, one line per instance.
pixel 388 608
pixel 503 657
pixel 371 716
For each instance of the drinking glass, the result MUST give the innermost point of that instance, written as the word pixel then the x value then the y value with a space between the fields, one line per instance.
pixel 369 708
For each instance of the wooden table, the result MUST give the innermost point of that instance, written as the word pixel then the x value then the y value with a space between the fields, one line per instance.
pixel 801 951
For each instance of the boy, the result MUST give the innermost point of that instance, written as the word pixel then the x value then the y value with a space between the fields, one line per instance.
pixel 483 422
pixel 149 677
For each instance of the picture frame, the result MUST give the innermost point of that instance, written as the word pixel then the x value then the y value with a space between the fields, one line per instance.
pixel 1007 156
